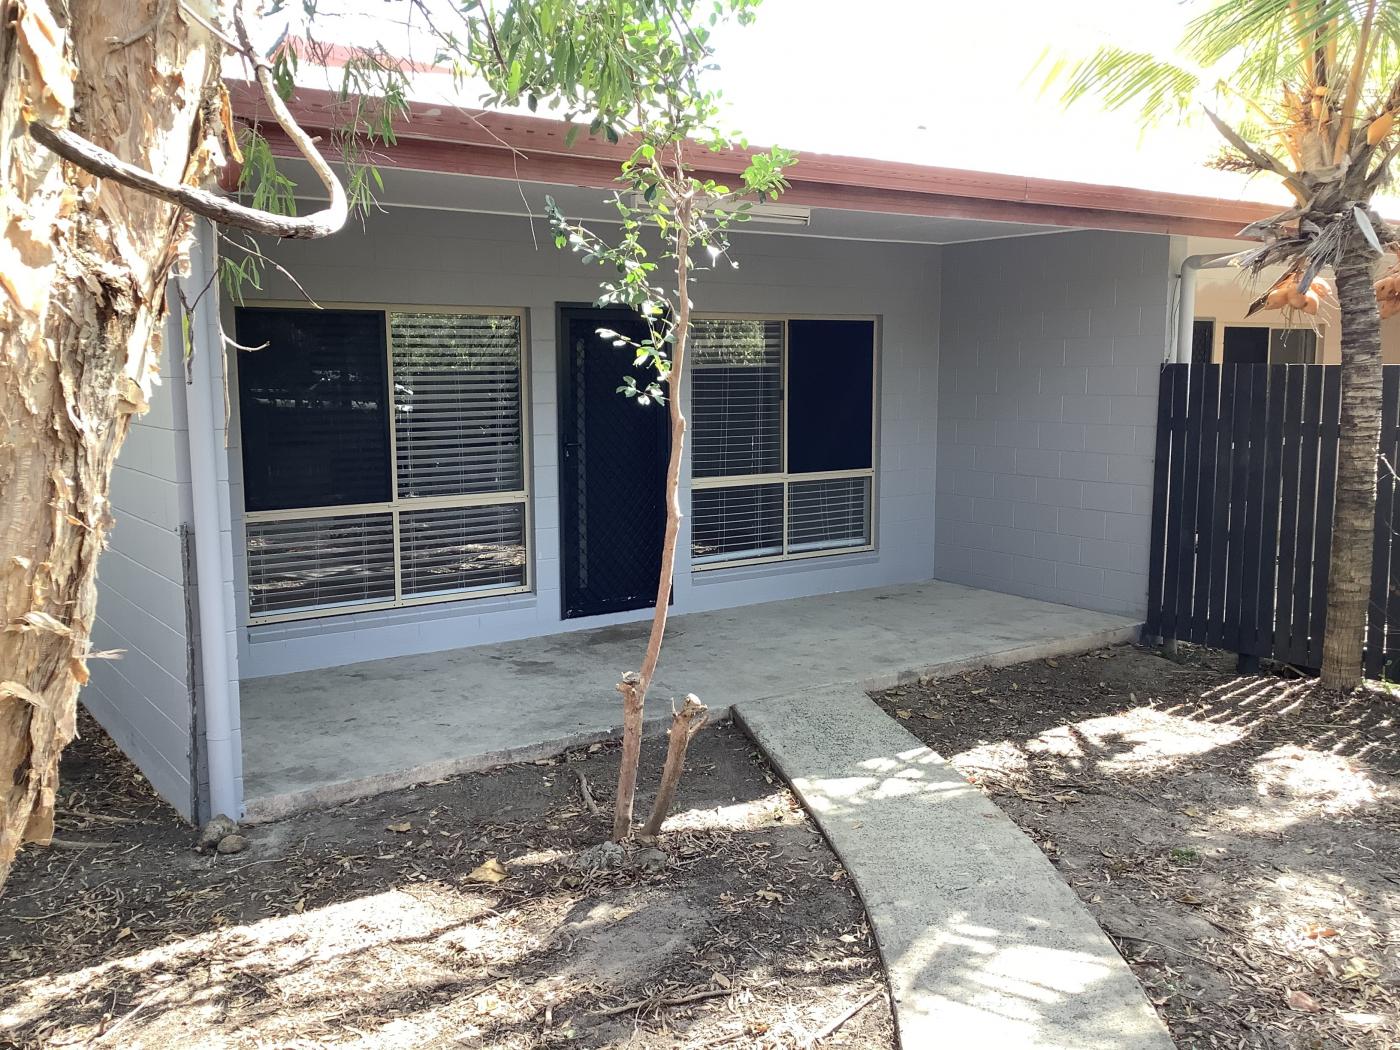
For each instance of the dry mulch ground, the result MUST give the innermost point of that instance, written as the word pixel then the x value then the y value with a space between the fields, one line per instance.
pixel 363 925
pixel 1237 836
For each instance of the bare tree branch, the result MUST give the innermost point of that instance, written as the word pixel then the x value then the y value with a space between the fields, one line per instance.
pixel 75 149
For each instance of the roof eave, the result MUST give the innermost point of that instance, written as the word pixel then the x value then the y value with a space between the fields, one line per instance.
pixel 532 149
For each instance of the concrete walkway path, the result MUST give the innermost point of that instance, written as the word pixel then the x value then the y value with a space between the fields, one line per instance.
pixel 316 738
pixel 984 945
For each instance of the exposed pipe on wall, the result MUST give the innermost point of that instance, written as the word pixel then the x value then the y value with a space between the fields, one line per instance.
pixel 205 423
pixel 1186 300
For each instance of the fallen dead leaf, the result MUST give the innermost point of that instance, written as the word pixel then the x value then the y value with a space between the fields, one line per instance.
pixel 400 828
pixel 1359 969
pixel 1303 1001
pixel 491 870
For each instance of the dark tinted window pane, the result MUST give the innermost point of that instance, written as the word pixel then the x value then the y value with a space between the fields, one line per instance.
pixel 313 408
pixel 831 377
pixel 1245 345
pixel 1292 346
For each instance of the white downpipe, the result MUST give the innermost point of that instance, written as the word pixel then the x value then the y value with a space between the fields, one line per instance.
pixel 1186 300
pixel 205 423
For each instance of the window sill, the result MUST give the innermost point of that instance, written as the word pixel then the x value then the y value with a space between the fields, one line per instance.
pixel 757 568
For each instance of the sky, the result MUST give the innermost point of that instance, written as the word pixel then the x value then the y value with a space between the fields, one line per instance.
pixel 941 83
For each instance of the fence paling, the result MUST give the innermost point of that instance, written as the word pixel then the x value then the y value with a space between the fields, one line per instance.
pixel 1243 490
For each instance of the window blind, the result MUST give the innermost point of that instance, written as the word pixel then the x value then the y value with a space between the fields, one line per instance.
pixel 455 549
pixel 828 514
pixel 320 563
pixel 736 522
pixel 737 397
pixel 457 403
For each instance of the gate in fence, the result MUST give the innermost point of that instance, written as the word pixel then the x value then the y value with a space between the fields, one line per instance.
pixel 1245 478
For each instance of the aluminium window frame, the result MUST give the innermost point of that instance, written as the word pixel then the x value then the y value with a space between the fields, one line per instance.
pixel 395 506
pixel 1217 350
pixel 783 477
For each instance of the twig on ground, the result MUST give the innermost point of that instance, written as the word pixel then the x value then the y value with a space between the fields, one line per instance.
pixel 836 1022
pixel 587 794
pixel 58 843
pixel 656 1002
pixel 132 1013
pixel 105 818
pixel 1158 944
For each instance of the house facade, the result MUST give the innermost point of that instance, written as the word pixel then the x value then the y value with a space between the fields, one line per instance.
pixel 916 374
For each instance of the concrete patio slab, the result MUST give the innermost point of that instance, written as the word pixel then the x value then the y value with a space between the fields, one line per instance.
pixel 320 737
pixel 984 945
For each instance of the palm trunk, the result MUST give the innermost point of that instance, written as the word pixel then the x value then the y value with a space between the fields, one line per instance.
pixel 633 686
pixel 1349 575
pixel 83 268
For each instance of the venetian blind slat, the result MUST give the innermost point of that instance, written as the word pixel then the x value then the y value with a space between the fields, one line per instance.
pixel 462 549
pixel 457 398
pixel 736 397
pixel 320 563
pixel 737 522
pixel 828 514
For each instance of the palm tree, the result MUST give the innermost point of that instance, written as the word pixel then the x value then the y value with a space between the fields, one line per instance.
pixel 1306 91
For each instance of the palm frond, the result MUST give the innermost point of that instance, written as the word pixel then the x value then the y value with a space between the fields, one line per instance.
pixel 1118 76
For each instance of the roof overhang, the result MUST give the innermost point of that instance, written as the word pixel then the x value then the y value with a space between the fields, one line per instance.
pixel 507 145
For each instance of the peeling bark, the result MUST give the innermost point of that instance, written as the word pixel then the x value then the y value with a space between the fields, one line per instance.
pixel 84 264
pixel 1353 522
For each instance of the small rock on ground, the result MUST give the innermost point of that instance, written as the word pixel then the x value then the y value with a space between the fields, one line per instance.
pixel 217 829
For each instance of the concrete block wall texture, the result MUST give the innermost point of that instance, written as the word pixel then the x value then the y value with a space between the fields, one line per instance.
pixel 1049 358
pixel 145 697
pixel 424 257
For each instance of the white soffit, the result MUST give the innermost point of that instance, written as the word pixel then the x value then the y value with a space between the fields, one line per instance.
pixel 439 190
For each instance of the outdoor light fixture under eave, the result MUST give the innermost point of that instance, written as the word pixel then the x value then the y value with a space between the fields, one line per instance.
pixel 767 212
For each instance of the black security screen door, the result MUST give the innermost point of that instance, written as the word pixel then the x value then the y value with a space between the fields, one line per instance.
pixel 612 475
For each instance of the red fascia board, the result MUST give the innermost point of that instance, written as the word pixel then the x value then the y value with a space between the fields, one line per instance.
pixel 510 145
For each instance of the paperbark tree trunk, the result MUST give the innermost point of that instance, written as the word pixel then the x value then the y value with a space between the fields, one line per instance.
pixel 1349 574
pixel 83 269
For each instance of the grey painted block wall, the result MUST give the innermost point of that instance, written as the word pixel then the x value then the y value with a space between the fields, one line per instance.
pixel 145 698
pixel 417 256
pixel 1047 405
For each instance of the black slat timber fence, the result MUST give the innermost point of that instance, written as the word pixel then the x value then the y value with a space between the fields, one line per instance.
pixel 1245 479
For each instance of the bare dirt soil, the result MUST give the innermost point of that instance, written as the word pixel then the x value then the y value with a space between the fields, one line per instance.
pixel 367 925
pixel 1237 836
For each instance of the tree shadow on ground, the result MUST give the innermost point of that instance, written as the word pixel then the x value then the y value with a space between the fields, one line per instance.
pixel 1233 833
pixel 337 923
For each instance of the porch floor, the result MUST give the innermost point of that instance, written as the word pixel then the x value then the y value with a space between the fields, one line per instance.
pixel 319 737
